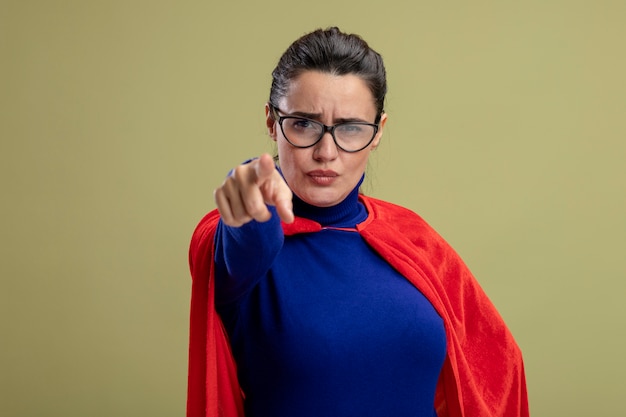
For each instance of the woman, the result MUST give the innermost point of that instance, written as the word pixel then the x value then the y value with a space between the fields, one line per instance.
pixel 310 299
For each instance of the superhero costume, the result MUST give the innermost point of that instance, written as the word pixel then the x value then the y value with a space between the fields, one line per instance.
pixel 483 370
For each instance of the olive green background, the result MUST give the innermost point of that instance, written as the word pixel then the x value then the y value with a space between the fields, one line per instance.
pixel 506 131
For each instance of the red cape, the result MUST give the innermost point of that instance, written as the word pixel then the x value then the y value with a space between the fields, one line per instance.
pixel 483 373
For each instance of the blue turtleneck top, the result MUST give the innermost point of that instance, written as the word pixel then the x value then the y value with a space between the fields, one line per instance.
pixel 320 324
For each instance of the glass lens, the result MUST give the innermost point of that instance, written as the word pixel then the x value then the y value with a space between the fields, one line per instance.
pixel 354 136
pixel 351 137
pixel 302 132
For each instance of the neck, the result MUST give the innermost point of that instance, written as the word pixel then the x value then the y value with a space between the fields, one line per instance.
pixel 348 213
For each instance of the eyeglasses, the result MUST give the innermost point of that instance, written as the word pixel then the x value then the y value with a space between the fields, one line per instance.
pixel 304 133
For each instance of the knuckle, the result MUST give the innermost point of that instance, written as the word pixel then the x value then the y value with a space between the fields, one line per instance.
pixel 255 209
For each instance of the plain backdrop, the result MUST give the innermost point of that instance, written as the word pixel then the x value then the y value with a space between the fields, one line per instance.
pixel 506 131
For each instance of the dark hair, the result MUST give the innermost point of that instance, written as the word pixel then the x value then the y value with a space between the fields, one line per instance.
pixel 333 52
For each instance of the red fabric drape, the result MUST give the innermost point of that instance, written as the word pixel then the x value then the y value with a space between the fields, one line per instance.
pixel 483 373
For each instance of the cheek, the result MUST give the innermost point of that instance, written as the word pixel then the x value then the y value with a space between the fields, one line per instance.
pixel 288 162
pixel 359 162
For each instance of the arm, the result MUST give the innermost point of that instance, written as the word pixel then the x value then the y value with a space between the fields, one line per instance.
pixel 243 255
pixel 252 201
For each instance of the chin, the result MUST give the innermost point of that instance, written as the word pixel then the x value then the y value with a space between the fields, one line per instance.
pixel 318 199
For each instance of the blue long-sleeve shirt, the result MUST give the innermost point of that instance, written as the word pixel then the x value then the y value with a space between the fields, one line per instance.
pixel 320 324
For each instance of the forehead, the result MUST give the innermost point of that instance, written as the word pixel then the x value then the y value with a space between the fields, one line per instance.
pixel 320 92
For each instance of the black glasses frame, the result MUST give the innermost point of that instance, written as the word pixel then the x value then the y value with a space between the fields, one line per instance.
pixel 329 129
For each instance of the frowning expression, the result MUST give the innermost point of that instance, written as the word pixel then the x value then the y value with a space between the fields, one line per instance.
pixel 323 175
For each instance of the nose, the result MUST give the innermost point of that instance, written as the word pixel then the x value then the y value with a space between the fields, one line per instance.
pixel 326 149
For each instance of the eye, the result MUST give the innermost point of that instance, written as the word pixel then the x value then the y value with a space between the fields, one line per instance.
pixel 302 124
pixel 351 129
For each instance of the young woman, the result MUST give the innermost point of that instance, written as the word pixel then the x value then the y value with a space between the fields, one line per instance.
pixel 311 299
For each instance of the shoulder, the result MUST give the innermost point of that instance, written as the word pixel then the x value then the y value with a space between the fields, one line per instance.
pixel 393 215
pixel 207 225
pixel 202 238
pixel 398 224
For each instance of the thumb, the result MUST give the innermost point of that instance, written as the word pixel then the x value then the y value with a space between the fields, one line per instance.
pixel 274 188
pixel 283 202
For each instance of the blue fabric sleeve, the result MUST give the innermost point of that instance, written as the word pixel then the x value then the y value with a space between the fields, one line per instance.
pixel 243 255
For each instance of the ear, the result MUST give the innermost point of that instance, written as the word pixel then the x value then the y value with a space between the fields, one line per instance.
pixel 270 122
pixel 379 134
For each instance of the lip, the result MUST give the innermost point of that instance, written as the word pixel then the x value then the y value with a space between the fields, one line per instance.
pixel 322 177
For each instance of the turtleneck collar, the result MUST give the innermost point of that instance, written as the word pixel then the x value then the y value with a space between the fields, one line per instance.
pixel 347 213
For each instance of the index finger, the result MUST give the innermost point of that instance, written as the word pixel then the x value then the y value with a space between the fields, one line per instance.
pixel 264 168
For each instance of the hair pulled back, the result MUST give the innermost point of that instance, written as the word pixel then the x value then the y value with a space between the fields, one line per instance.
pixel 334 52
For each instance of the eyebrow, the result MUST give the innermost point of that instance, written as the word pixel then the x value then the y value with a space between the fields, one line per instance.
pixel 317 116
